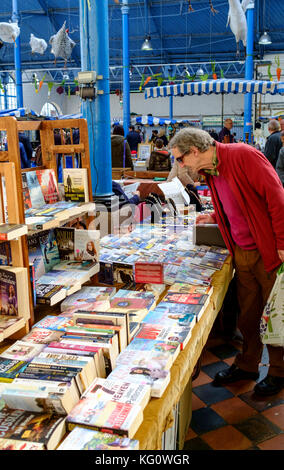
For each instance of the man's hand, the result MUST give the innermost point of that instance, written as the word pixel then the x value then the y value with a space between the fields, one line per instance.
pixel 281 255
pixel 204 219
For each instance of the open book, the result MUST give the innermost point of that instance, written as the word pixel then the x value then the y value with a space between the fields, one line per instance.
pixel 175 194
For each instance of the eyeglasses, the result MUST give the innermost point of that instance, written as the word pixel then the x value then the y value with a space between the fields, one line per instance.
pixel 181 157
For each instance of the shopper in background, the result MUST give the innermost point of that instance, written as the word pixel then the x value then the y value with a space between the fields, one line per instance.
pixel 24 139
pixel 162 135
pixel 282 124
pixel 225 134
pixel 213 134
pixel 120 150
pixel 160 158
pixel 133 138
pixel 280 161
pixel 154 136
pixel 273 142
pixel 248 199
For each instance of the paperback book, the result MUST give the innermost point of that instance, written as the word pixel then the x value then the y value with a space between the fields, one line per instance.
pixel 49 294
pixel 87 295
pixel 10 369
pixel 76 184
pixel 87 439
pixel 87 245
pixel 103 390
pixel 65 242
pixel 22 351
pixel 37 428
pixel 14 291
pixel 118 418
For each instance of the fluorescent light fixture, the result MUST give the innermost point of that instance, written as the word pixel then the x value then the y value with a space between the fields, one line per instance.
pixel 265 39
pixel 146 46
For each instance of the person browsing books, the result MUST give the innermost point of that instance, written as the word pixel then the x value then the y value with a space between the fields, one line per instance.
pixel 120 150
pixel 160 157
pixel 280 161
pixel 273 142
pixel 248 200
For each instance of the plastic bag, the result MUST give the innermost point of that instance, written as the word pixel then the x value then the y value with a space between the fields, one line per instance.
pixel 272 320
pixel 61 44
pixel 37 45
pixel 9 32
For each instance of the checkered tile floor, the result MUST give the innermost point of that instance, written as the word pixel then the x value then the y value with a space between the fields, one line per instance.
pixel 232 417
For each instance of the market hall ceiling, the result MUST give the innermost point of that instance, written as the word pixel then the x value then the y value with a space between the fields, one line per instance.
pixel 181 32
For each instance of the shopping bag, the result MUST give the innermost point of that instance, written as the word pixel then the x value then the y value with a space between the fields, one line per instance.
pixel 272 320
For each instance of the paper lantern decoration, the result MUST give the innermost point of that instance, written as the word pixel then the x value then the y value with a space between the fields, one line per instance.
pixel 37 45
pixel 9 32
pixel 61 44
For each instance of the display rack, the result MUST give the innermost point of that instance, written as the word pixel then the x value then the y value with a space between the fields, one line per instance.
pixel 10 127
pixel 9 197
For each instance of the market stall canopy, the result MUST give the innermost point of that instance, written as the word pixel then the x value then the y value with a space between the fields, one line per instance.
pixel 216 86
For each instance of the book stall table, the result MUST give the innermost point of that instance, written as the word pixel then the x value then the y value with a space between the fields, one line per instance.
pixel 158 416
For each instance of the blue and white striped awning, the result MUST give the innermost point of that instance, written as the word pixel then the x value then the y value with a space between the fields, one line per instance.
pixel 17 112
pixel 216 87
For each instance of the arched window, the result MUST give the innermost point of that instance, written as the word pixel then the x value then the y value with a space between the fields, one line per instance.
pixel 50 109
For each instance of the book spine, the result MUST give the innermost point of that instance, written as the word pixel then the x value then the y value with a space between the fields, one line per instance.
pixel 118 432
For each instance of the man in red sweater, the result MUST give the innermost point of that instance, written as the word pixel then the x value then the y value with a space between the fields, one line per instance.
pixel 248 199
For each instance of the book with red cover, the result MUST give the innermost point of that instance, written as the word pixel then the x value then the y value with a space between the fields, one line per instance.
pixel 195 298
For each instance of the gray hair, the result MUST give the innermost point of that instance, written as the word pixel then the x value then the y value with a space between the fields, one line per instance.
pixel 274 125
pixel 189 137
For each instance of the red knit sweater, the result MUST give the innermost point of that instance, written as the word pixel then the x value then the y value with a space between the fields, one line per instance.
pixel 260 195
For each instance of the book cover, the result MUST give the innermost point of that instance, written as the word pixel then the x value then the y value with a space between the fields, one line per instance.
pixel 12 444
pixel 42 335
pixel 9 292
pixel 26 193
pixel 87 439
pixel 161 316
pixel 158 379
pixel 180 309
pixel 87 295
pixel 49 294
pixel 51 322
pixel 5 254
pixel 144 358
pixel 87 245
pixel 120 418
pixel 22 351
pixel 10 369
pixel 172 348
pixel 192 299
pixel 180 334
pixel 22 425
pixel 75 182
pixel 34 188
pixel 124 392
pixel 129 304
pixel 123 273
pixel 48 184
pixel 35 255
pixel 182 288
pixel 65 242
pixel 49 249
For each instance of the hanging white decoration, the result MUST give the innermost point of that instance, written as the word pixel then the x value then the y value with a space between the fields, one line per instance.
pixel 37 45
pixel 9 32
pixel 238 22
pixel 61 44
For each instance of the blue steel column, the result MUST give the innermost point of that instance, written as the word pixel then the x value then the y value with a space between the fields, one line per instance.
pixel 249 73
pixel 125 51
pixel 5 81
pixel 171 103
pixel 94 40
pixel 17 57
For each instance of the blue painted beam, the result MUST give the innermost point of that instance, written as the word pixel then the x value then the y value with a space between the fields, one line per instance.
pixel 95 57
pixel 249 74
pixel 126 78
pixel 17 57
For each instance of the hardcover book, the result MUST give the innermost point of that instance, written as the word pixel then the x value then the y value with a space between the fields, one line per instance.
pixel 87 439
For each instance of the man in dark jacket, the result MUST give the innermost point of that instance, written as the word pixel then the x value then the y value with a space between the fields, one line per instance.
pixel 120 150
pixel 273 143
pixel 160 158
pixel 225 134
pixel 133 138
